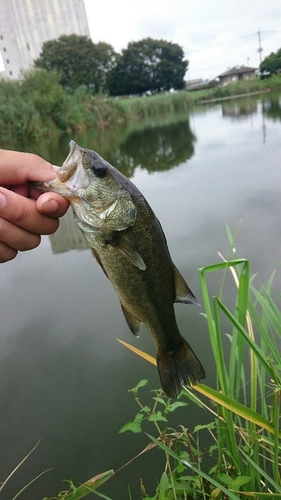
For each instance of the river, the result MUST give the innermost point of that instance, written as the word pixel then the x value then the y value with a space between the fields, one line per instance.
pixel 64 379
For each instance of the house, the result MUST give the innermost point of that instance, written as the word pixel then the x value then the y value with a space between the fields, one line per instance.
pixel 194 84
pixel 236 74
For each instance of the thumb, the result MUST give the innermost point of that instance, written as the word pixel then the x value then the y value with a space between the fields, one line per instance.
pixel 52 204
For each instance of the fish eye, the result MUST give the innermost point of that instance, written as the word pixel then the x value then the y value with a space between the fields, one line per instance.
pixel 98 168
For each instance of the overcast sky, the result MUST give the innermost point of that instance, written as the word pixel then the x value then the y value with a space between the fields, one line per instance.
pixel 214 34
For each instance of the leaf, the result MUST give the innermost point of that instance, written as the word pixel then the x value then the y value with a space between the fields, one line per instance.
pixel 146 409
pixel 239 481
pixel 140 353
pixel 176 405
pixel 134 426
pixel 235 407
pixel 160 400
pixel 210 426
pixel 142 383
pixel 224 478
pixel 88 487
pixel 157 417
pixel 163 486
pixel 194 468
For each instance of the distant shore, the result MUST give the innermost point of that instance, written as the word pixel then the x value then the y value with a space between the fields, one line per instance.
pixel 38 107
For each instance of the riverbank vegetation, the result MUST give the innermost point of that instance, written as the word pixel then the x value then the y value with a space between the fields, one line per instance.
pixel 243 460
pixel 38 106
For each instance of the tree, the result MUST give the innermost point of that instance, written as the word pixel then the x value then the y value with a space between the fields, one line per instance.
pixel 78 61
pixel 148 65
pixel 271 63
pixel 105 58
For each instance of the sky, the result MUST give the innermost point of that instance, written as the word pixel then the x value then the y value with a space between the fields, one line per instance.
pixel 214 34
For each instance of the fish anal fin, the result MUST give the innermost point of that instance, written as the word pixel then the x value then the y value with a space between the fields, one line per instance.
pixel 182 291
pixel 133 323
pixel 126 250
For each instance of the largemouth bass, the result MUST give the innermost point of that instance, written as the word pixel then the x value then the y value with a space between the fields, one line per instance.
pixel 129 245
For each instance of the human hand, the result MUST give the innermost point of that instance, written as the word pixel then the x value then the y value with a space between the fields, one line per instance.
pixel 25 214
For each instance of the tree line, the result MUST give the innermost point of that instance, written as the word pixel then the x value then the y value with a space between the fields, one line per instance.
pixel 147 65
pixel 272 63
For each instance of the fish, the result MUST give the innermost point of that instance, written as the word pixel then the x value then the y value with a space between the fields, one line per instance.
pixel 128 243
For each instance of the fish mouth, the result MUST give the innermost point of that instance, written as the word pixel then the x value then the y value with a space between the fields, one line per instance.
pixel 72 175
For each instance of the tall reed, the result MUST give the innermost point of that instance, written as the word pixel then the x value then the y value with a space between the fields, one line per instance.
pixel 245 404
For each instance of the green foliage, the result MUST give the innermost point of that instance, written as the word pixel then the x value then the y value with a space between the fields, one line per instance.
pixel 245 406
pixel 83 490
pixel 43 89
pixel 271 63
pixel 243 87
pixel 148 65
pixel 78 61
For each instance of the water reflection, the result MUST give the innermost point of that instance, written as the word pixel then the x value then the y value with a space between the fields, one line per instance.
pixel 157 149
pixel 154 144
pixel 68 236
pixel 152 148
pixel 239 109
pixel 271 107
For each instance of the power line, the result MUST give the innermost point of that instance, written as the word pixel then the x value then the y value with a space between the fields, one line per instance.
pixel 229 41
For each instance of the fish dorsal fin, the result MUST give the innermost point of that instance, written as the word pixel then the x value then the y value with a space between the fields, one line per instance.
pixel 182 291
pixel 126 250
pixel 133 323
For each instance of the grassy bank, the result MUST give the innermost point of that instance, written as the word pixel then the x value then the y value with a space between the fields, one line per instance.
pixel 37 106
pixel 244 87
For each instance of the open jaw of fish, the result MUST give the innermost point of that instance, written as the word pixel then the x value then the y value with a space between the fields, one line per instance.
pixel 129 245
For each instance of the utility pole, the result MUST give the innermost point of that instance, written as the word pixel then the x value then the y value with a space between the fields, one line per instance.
pixel 260 47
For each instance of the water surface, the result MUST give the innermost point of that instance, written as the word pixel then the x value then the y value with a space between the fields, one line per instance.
pixel 64 379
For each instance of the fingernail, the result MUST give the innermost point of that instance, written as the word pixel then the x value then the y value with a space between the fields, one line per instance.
pixel 55 168
pixel 50 206
pixel 3 200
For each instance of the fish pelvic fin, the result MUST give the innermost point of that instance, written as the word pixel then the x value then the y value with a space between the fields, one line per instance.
pixel 178 368
pixel 182 290
pixel 133 323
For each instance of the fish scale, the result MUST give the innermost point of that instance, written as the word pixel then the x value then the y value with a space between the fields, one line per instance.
pixel 128 243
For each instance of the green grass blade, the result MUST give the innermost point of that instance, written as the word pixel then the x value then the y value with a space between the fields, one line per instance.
pixel 235 407
pixel 28 484
pixel 257 351
pixel 263 473
pixel 89 487
pixel 194 468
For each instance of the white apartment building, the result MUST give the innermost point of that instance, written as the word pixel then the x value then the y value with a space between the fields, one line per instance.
pixel 26 24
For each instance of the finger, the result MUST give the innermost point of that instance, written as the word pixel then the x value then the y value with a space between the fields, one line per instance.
pixel 52 204
pixel 22 213
pixel 17 168
pixel 7 253
pixel 17 238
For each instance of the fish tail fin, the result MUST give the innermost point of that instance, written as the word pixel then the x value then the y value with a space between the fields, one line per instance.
pixel 178 368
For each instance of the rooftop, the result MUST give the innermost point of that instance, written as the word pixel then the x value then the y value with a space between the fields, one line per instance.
pixel 236 70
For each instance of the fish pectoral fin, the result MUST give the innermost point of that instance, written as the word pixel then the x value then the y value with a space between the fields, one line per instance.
pixel 183 292
pixel 133 323
pixel 134 257
pixel 96 256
